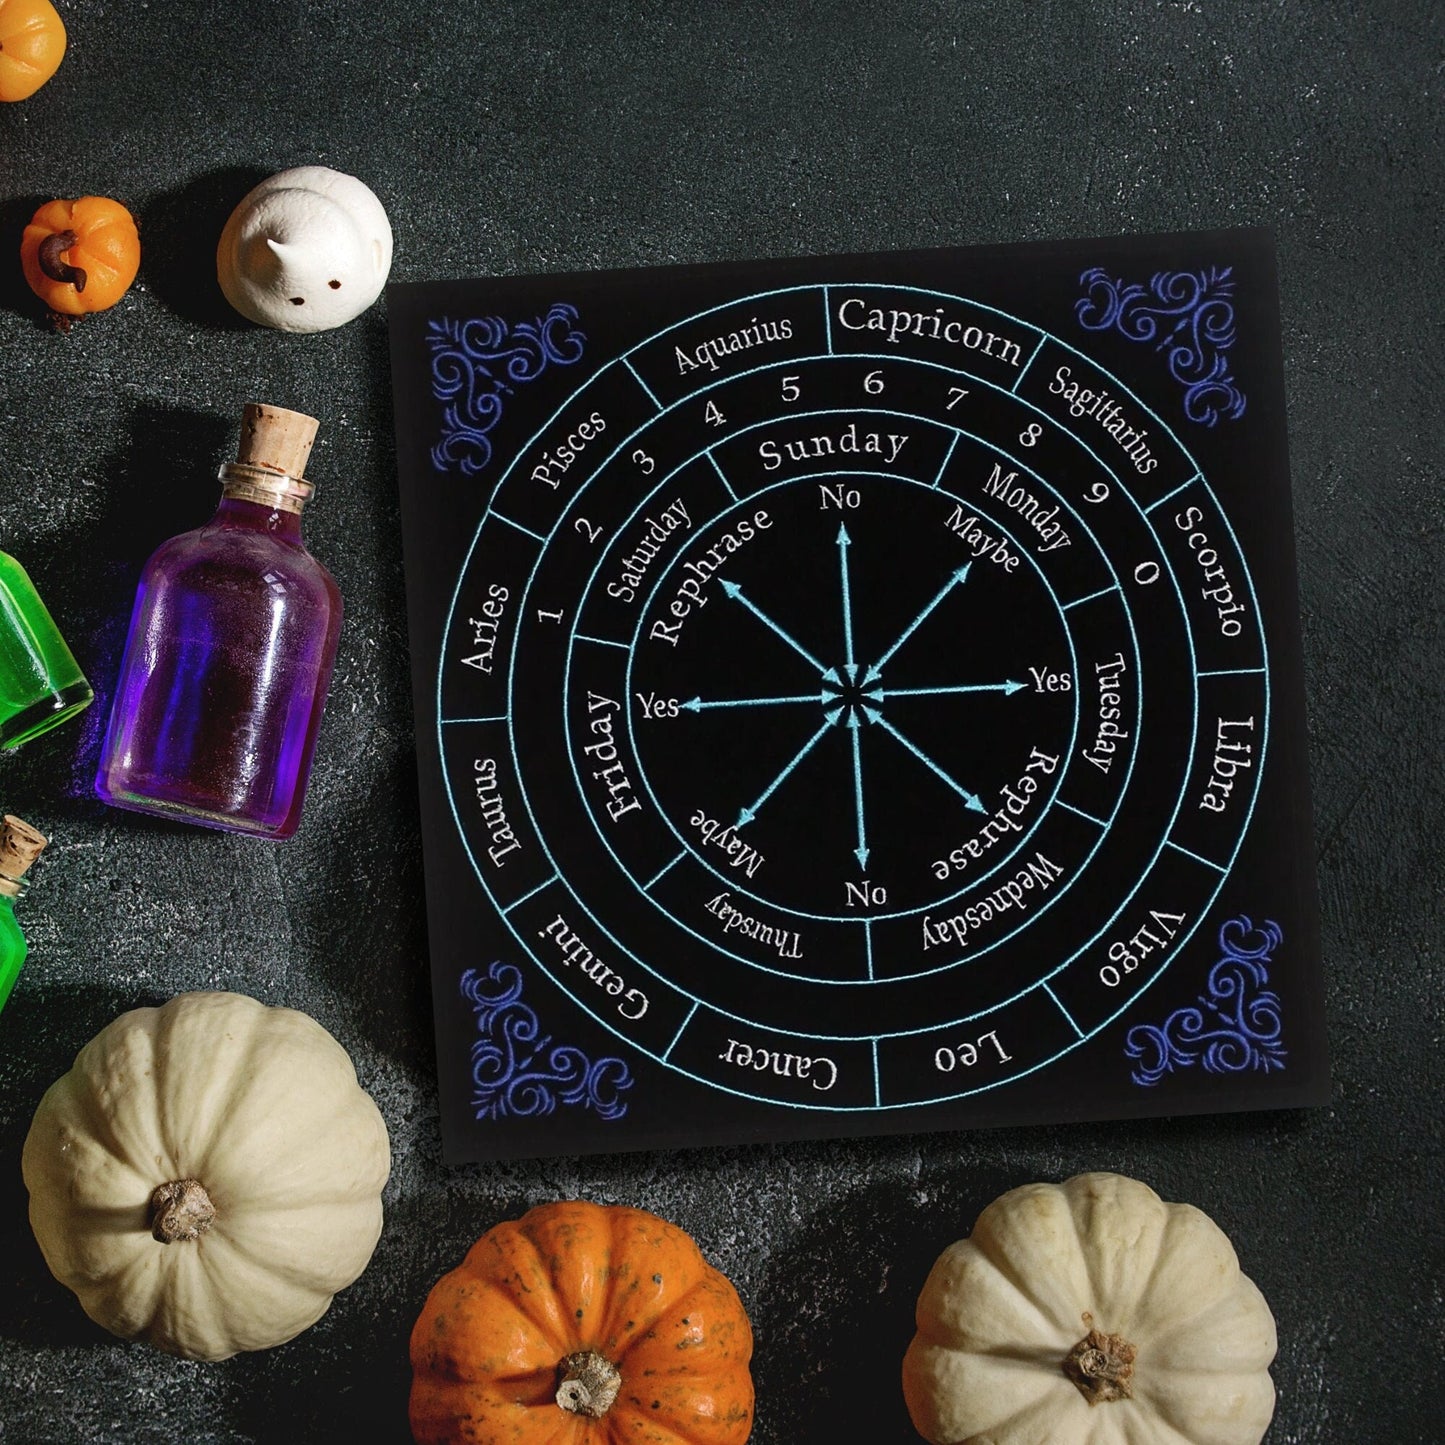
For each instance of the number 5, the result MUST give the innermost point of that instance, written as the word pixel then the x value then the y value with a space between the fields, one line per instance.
pixel 791 390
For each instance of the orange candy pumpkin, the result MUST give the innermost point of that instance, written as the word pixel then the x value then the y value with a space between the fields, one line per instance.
pixel 587 1324
pixel 80 256
pixel 32 45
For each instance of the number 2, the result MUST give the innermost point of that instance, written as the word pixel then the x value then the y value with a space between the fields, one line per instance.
pixel 589 531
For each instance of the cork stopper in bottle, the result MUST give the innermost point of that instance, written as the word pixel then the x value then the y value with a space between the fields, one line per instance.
pixel 20 846
pixel 276 439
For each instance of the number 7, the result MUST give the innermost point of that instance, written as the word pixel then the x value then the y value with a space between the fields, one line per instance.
pixel 956 394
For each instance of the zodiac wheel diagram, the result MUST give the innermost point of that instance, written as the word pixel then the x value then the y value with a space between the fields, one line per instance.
pixel 853 697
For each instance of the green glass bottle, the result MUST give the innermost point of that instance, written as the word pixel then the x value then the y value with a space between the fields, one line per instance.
pixel 41 684
pixel 20 846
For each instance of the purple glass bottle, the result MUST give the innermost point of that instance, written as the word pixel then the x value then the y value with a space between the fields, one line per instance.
pixel 230 652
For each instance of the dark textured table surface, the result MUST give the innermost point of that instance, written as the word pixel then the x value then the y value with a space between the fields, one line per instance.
pixel 516 137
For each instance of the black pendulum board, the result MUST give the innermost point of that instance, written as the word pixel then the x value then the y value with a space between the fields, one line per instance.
pixel 858 694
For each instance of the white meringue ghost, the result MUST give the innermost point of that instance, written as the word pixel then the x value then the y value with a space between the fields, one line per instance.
pixel 307 250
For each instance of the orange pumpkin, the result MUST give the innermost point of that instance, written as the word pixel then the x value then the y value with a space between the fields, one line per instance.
pixel 32 45
pixel 80 256
pixel 587 1324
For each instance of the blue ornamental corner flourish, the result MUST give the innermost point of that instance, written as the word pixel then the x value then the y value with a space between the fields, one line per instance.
pixel 1188 313
pixel 1236 1024
pixel 477 364
pixel 517 1072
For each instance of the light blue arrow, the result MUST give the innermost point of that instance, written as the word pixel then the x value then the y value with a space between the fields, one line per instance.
pixel 696 704
pixel 1008 688
pixel 876 671
pixel 736 593
pixel 861 851
pixel 748 814
pixel 970 799
pixel 843 545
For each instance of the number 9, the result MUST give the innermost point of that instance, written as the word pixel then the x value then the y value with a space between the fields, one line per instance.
pixel 1098 492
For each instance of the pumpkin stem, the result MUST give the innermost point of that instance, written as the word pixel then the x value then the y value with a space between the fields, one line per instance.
pixel 1101 1365
pixel 181 1210
pixel 587 1384
pixel 52 248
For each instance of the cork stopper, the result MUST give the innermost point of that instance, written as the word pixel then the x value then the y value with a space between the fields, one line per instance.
pixel 270 468
pixel 276 439
pixel 20 846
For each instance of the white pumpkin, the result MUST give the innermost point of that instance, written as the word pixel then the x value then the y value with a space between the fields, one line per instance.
pixel 306 250
pixel 207 1175
pixel 1090 1313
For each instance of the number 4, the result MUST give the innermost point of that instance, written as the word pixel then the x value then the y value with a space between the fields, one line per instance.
pixel 955 395
pixel 712 415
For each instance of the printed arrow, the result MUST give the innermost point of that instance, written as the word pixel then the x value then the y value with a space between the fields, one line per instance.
pixel 736 593
pixel 696 704
pixel 876 671
pixel 843 544
pixel 748 814
pixel 861 851
pixel 1008 688
pixel 971 800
